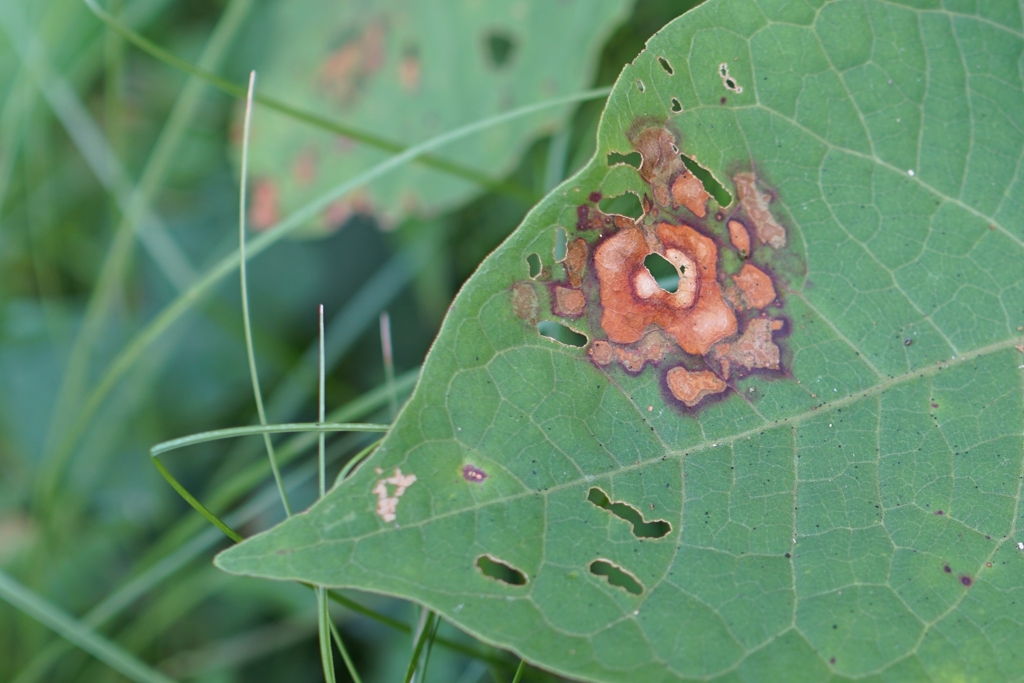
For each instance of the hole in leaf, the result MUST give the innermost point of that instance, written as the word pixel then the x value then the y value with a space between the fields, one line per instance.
pixel 500 48
pixel 533 261
pixel 640 85
pixel 500 571
pixel 633 159
pixel 561 242
pixel 665 65
pixel 677 106
pixel 560 333
pixel 627 204
pixel 664 272
pixel 712 186
pixel 616 576
pixel 641 529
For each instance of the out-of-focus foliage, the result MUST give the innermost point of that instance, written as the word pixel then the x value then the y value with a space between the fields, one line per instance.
pixel 405 70
pixel 78 528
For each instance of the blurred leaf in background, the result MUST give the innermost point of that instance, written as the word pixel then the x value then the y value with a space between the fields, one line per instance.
pixel 406 70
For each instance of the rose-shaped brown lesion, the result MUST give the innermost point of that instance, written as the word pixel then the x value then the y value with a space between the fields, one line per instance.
pixel 695 315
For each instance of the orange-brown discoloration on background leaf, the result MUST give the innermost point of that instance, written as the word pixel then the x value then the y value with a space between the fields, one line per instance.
pixel 756 288
pixel 569 303
pixel 739 237
pixel 689 191
pixel 575 261
pixel 692 387
pixel 409 73
pixel 524 301
pixel 754 349
pixel 754 203
pixel 695 315
pixel 345 69
pixel 304 168
pixel 264 210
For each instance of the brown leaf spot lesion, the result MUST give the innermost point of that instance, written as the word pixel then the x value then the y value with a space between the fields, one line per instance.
pixel 672 184
pixel 691 387
pixel 473 474
pixel 568 302
pixel 755 204
pixel 575 261
pixel 755 348
pixel 524 301
pixel 695 315
pixel 387 499
pixel 739 238
pixel 652 348
pixel 755 288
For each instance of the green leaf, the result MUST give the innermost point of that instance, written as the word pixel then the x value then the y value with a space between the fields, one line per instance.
pixel 408 70
pixel 849 508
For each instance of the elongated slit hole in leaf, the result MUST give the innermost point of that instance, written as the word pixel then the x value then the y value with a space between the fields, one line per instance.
pixel 711 185
pixel 500 48
pixel 561 334
pixel 665 65
pixel 677 106
pixel 498 570
pixel 659 528
pixel 633 159
pixel 640 85
pixel 616 576
pixel 533 261
pixel 625 204
pixel 663 272
pixel 561 243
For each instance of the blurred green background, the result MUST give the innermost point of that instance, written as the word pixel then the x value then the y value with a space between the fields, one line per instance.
pixel 119 190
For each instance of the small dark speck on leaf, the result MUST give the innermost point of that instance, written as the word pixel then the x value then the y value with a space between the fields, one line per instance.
pixel 939 512
pixel 595 197
pixel 835 626
pixel 908 342
pixel 935 405
pixel 966 580
pixel 788 556
pixel 832 661
pixel 947 569
pixel 722 100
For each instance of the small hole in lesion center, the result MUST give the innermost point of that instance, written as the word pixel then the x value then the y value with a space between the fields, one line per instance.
pixel 663 272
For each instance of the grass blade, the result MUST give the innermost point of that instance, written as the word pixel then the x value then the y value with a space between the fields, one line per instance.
pixel 233 432
pixel 76 632
pixel 246 321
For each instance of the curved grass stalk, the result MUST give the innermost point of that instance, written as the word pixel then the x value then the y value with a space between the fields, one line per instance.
pixel 233 432
pixel 246 321
pixel 184 302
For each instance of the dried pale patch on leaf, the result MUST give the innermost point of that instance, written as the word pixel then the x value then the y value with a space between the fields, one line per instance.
pixel 689 191
pixel 387 503
pixel 569 303
pixel 695 315
pixel 264 210
pixel 575 261
pixel 754 349
pixel 755 204
pixel 739 237
pixel 756 288
pixel 691 387
pixel 524 301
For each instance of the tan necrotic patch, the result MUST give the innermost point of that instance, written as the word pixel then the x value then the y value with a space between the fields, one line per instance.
pixel 387 499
